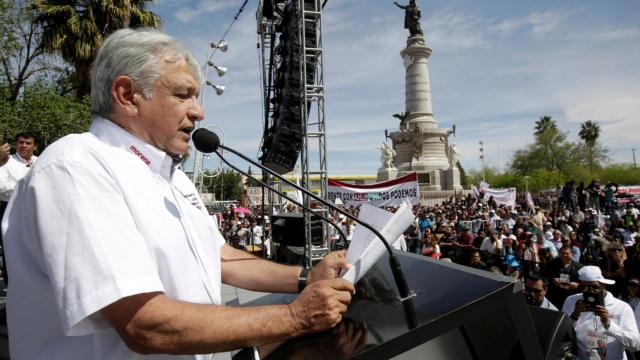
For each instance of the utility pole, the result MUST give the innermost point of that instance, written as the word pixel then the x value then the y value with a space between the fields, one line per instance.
pixel 634 158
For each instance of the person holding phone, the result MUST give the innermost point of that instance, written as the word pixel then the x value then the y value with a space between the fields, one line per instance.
pixel 601 319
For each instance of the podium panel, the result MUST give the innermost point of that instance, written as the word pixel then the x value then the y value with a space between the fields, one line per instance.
pixel 463 313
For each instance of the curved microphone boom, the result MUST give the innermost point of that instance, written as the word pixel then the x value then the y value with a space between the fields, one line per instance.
pixel 207 141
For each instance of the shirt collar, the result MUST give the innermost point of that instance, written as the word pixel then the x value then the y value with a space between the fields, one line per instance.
pixel 23 161
pixel 109 132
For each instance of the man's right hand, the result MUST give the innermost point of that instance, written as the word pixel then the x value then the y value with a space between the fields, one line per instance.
pixel 321 305
pixel 4 153
pixel 578 309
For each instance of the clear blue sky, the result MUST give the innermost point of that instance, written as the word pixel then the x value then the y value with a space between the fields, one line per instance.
pixel 496 67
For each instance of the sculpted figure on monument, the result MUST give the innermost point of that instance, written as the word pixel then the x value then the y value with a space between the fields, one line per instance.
pixel 411 17
pixel 387 155
pixel 402 116
pixel 453 155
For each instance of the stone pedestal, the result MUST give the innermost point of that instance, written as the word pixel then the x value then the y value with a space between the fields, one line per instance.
pixel 386 174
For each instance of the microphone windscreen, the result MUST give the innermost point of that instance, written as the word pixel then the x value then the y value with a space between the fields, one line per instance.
pixel 205 140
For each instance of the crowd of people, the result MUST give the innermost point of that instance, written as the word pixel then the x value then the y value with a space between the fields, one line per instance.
pixel 572 241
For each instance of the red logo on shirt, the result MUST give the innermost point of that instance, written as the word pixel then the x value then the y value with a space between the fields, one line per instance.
pixel 140 154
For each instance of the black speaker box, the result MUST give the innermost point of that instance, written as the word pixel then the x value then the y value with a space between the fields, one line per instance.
pixel 288 230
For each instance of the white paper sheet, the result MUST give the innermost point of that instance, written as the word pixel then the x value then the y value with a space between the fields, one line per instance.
pixel 365 248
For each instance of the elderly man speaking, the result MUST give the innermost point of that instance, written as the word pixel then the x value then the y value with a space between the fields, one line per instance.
pixel 110 248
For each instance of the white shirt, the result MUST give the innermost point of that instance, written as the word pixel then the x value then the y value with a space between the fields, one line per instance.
pixel 11 172
pixel 102 216
pixel 546 304
pixel 257 234
pixel 622 333
pixel 492 248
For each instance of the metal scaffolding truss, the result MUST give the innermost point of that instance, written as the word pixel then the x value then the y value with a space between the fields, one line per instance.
pixel 310 53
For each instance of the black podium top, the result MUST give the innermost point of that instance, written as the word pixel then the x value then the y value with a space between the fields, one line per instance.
pixel 451 300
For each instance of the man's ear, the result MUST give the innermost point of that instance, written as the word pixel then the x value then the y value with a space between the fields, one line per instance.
pixel 125 95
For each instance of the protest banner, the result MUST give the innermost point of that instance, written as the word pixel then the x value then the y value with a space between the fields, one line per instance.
pixel 501 196
pixel 387 193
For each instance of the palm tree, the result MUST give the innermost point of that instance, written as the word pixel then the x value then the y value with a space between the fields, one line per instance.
pixel 589 133
pixel 543 124
pixel 76 28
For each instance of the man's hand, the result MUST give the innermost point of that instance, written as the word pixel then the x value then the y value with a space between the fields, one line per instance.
pixel 321 305
pixel 4 153
pixel 330 267
pixel 603 313
pixel 578 309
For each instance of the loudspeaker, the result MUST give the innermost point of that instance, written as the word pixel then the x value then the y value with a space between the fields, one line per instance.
pixel 288 230
pixel 555 332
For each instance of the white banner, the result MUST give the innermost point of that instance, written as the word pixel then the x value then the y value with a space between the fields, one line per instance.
pixel 387 193
pixel 501 196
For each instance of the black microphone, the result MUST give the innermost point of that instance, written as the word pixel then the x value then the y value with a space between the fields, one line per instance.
pixel 207 141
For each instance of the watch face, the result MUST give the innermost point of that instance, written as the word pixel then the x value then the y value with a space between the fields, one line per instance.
pixel 591 299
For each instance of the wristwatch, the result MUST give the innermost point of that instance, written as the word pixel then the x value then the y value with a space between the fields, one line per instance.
pixel 302 279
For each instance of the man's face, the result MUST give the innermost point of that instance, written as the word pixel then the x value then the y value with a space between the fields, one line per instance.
pixel 567 255
pixel 536 289
pixel 25 147
pixel 168 117
pixel 475 258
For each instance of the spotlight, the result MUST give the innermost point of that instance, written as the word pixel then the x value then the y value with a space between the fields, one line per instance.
pixel 218 88
pixel 222 46
pixel 220 69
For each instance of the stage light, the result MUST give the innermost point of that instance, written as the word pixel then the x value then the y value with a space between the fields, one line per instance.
pixel 222 46
pixel 218 88
pixel 220 69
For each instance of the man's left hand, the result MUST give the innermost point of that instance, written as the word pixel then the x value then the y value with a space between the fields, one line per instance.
pixel 604 315
pixel 330 267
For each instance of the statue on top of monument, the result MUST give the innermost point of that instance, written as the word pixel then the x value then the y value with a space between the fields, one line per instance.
pixel 411 17
pixel 387 155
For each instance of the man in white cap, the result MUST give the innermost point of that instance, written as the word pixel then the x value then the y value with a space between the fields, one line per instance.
pixel 603 331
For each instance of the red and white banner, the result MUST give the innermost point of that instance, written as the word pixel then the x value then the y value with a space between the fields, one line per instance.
pixel 387 193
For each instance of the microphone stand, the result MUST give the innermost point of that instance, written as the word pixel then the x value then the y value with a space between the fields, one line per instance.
pixel 406 296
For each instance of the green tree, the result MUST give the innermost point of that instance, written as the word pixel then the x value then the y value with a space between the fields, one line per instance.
pixel 21 57
pixel 225 184
pixel 76 28
pixel 550 150
pixel 589 133
pixel 543 124
pixel 42 110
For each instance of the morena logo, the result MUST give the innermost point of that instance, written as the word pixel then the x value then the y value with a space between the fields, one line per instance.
pixel 140 154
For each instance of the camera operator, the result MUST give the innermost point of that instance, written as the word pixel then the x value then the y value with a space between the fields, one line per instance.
pixel 605 326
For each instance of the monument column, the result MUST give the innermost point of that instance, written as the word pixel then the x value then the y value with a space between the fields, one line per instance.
pixel 417 85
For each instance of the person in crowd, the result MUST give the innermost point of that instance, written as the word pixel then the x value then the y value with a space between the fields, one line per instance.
pixel 535 289
pixel 513 267
pixel 563 276
pixel 475 261
pixel 492 248
pixel 113 252
pixel 12 169
pixel 609 322
pixel 612 266
pixel 431 247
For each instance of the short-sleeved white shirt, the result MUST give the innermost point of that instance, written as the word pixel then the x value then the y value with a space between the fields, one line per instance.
pixel 101 216
pixel 11 172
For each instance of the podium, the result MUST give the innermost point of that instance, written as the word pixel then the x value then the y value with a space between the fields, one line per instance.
pixel 463 313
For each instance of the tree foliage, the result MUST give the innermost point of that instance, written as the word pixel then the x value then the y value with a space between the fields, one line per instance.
pixel 594 153
pixel 228 180
pixel 42 110
pixel 21 57
pixel 76 28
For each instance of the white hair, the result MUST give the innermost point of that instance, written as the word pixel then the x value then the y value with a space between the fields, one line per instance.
pixel 138 54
